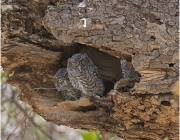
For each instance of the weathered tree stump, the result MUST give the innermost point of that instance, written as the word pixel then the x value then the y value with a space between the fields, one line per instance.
pixel 39 36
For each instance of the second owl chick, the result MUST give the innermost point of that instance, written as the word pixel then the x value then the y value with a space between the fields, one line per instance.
pixel 84 75
pixel 62 84
pixel 128 71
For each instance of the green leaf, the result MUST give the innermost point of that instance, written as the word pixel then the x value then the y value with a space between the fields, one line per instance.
pixel 166 138
pixel 91 136
pixel 11 74
pixel 3 76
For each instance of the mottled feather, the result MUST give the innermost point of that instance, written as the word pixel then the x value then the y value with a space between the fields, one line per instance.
pixel 62 84
pixel 84 75
pixel 128 71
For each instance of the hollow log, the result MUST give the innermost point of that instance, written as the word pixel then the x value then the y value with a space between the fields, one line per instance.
pixel 39 36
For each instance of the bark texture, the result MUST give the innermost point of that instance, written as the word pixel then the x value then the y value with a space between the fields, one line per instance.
pixel 39 36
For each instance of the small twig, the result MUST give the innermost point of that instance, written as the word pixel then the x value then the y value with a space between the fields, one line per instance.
pixel 19 124
pixel 24 132
pixel 31 119
pixel 30 131
pixel 41 88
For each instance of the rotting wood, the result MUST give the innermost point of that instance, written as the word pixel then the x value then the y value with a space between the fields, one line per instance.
pixel 144 33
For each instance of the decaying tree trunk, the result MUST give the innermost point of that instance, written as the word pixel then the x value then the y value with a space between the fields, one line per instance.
pixel 39 36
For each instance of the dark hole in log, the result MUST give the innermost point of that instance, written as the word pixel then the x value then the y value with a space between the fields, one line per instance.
pixel 166 103
pixel 133 53
pixel 152 38
pixel 171 65
pixel 108 65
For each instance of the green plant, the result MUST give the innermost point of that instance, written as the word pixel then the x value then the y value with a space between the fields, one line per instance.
pixel 95 135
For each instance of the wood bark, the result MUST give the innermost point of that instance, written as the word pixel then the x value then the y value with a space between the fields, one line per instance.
pixel 39 36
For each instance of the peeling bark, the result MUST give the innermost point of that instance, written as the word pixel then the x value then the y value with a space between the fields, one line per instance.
pixel 39 36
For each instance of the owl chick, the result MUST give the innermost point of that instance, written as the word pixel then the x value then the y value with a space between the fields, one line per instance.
pixel 128 71
pixel 84 75
pixel 62 84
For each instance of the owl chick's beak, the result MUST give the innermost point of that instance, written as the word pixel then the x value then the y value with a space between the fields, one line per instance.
pixel 65 82
pixel 79 67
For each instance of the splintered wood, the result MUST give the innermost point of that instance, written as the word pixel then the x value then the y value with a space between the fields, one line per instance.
pixel 39 36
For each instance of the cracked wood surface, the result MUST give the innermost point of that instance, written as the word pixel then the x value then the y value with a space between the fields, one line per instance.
pixel 143 32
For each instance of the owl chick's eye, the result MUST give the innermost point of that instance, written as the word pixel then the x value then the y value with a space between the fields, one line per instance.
pixel 85 61
pixel 60 79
